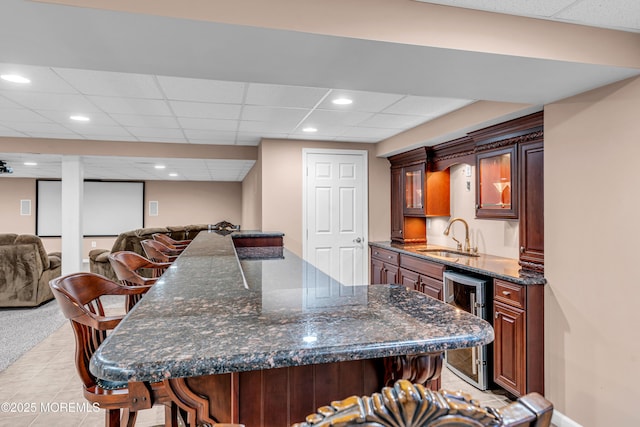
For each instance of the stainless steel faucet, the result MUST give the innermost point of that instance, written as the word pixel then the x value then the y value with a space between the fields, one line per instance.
pixel 467 245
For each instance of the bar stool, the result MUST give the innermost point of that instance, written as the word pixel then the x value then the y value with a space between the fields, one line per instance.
pixel 79 296
pixel 407 404
pixel 157 251
pixel 127 265
pixel 171 243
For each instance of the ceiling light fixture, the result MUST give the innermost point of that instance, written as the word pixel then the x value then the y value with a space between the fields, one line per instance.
pixel 30 164
pixel 15 78
pixel 309 129
pixel 342 101
pixel 160 166
pixel 79 118
pixel 173 174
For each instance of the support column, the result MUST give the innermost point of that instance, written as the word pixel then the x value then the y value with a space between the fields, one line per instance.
pixel 72 195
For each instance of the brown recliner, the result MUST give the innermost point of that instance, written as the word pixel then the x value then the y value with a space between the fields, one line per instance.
pixel 25 270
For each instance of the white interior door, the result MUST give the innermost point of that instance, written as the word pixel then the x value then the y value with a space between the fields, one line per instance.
pixel 335 213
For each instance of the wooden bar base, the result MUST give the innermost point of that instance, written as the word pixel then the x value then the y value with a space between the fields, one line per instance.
pixel 283 396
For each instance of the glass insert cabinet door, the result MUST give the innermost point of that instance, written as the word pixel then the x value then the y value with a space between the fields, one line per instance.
pixel 414 202
pixel 497 184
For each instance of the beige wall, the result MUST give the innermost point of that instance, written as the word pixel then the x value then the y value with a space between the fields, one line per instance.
pixel 252 197
pixel 193 202
pixel 495 237
pixel 180 203
pixel 282 189
pixel 12 190
pixel 592 201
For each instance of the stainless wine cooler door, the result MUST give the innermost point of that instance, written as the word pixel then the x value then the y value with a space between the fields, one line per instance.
pixel 467 293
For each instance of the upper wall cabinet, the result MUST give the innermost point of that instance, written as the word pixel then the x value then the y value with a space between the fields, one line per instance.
pixel 416 193
pixel 414 202
pixel 497 184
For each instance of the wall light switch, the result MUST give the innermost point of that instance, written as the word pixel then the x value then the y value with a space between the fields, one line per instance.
pixel 93 244
pixel 468 185
pixel 467 170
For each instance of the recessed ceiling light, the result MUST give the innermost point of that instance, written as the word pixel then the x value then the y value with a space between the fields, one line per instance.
pixel 79 118
pixel 15 78
pixel 173 174
pixel 30 164
pixel 309 129
pixel 342 101
pixel 160 166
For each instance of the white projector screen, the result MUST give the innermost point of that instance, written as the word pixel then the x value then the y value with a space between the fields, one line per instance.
pixel 109 208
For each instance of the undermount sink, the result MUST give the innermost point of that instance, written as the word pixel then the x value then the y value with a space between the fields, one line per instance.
pixel 448 253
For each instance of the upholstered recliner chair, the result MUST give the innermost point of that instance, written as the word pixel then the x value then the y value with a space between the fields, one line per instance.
pixel 25 270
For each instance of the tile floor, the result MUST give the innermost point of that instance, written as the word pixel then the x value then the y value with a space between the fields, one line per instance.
pixel 46 375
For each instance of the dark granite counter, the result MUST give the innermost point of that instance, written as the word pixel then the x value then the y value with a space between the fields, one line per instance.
pixel 487 265
pixel 213 312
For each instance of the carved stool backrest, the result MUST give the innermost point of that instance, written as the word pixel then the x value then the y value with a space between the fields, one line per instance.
pixel 156 251
pixel 411 405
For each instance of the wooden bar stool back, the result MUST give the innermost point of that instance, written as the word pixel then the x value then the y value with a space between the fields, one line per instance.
pixel 79 296
pixel 411 405
pixel 157 251
pixel 128 265
pixel 169 242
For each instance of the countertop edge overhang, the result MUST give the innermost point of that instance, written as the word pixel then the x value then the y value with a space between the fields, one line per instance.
pixel 486 265
pixel 214 323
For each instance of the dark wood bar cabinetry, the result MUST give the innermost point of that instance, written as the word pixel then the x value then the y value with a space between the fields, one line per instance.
pixel 531 167
pixel 497 184
pixel 518 319
pixel 415 273
pixel 416 193
pixel 384 266
pixel 509 160
pixel 422 275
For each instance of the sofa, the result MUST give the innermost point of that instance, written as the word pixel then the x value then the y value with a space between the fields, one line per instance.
pixel 25 270
pixel 130 241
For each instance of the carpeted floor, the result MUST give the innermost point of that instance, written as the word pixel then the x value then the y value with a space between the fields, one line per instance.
pixel 23 328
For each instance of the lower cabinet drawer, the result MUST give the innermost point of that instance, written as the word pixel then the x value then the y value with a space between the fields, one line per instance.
pixel 432 287
pixel 509 293
pixel 385 255
pixel 422 266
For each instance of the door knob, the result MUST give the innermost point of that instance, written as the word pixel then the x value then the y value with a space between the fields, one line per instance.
pixel 357 240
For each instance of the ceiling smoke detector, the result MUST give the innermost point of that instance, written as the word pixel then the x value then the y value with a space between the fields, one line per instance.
pixel 4 168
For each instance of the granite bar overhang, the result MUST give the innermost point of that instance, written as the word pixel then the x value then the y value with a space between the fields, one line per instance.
pixel 214 313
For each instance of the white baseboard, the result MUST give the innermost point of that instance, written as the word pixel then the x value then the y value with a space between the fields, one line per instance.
pixel 561 420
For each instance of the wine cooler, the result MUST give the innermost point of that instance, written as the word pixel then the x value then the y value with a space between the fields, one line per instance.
pixel 467 293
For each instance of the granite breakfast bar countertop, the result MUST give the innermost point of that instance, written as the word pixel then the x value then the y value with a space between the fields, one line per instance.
pixel 483 264
pixel 218 310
